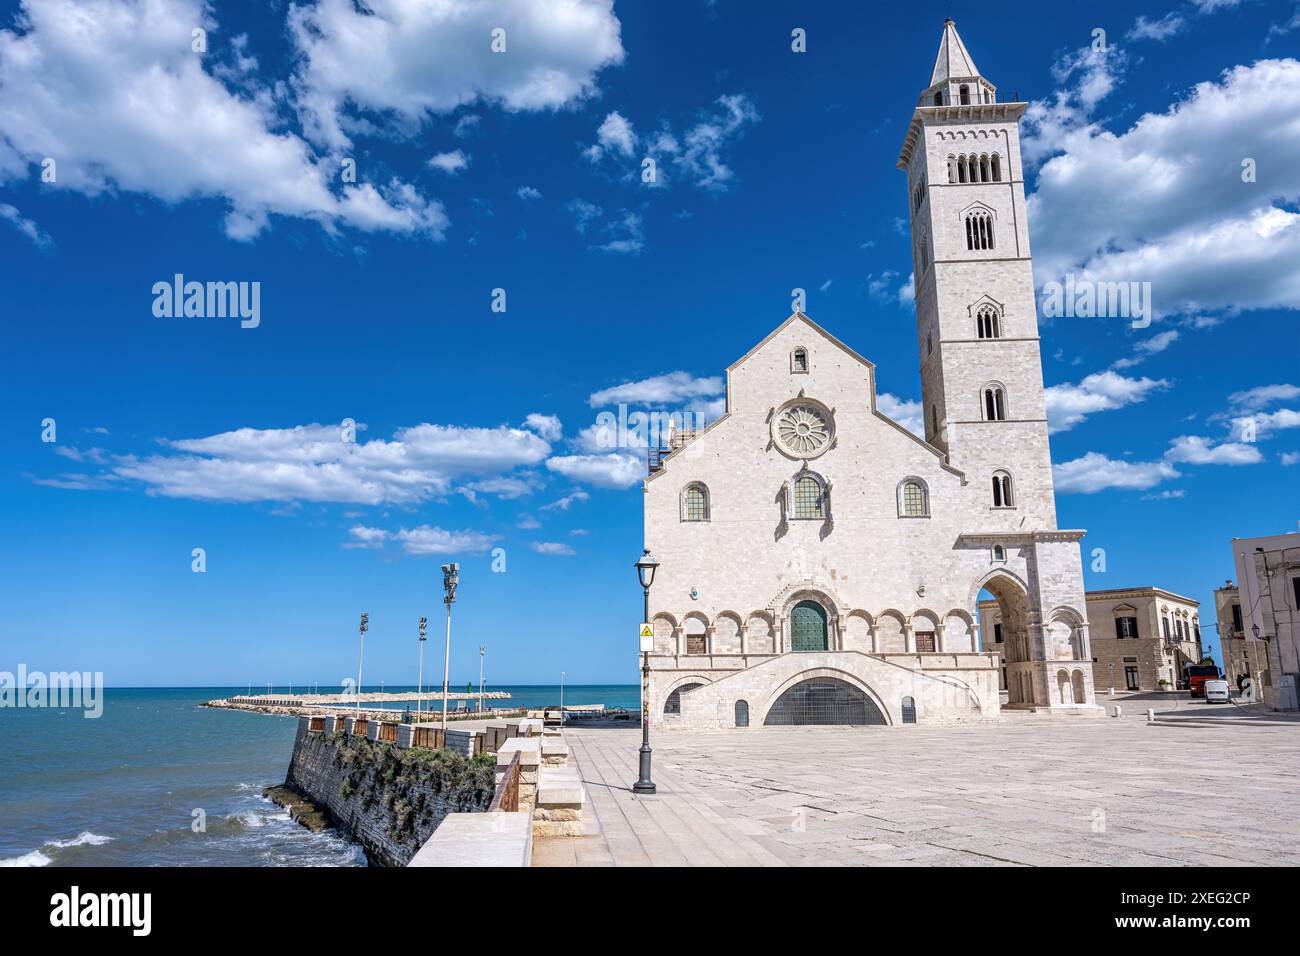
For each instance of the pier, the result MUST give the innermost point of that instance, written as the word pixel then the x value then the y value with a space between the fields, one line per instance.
pixel 300 705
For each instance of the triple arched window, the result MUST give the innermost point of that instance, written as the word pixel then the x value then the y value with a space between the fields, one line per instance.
pixel 913 498
pixel 1003 493
pixel 995 403
pixel 988 323
pixel 695 502
pixel 975 168
pixel 979 229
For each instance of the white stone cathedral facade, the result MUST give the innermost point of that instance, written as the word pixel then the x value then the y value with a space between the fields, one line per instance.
pixel 819 563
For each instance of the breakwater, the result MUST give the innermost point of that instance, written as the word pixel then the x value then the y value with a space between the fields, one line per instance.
pixel 389 799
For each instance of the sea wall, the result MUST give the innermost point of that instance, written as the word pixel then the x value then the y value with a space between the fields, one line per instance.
pixel 389 799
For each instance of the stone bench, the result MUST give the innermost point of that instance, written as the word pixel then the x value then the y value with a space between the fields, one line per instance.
pixel 555 751
pixel 479 839
pixel 530 760
pixel 560 798
pixel 531 727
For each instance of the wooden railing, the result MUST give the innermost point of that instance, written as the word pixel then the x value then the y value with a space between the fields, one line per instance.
pixel 388 733
pixel 360 726
pixel 506 797
pixel 430 738
pixel 316 724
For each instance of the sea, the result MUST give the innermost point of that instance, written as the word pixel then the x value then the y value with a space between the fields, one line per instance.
pixel 157 780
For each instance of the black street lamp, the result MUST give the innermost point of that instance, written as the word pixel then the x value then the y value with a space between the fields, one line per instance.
pixel 645 570
pixel 450 580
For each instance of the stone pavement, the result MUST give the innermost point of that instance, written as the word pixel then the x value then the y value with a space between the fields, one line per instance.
pixel 1214 786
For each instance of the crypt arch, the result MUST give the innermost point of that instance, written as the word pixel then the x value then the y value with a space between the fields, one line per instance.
pixel 797 681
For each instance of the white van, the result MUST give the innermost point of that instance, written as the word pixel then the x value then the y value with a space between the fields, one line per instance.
pixel 1216 692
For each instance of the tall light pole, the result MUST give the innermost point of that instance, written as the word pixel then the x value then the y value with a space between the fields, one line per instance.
pixel 480 678
pixel 645 570
pixel 419 687
pixel 561 699
pixel 450 578
pixel 365 626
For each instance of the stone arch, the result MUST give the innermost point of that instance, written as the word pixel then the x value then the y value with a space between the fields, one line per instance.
pixel 726 633
pixel 1076 682
pixel 891 633
pixel 674 691
pixel 858 632
pixel 695 633
pixel 1017 648
pixel 1065 694
pixel 760 633
pixel 831 672
pixel 1065 634
pixel 664 626
pixel 927 635
pixel 958 631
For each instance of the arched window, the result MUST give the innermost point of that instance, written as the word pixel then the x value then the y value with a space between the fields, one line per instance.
pixel 909 710
pixel 913 498
pixel 799 360
pixel 952 168
pixel 985 176
pixel 1002 492
pixel 742 713
pixel 938 97
pixel 988 324
pixel 695 502
pixel 673 705
pixel 996 165
pixel 995 404
pixel 824 700
pixel 965 95
pixel 979 230
pixel 808 498
pixel 999 553
pixel 962 170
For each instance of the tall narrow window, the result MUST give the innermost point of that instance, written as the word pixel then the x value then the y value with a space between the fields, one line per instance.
pixel 979 230
pixel 994 404
pixel 952 169
pixel 938 98
pixel 965 95
pixel 913 499
pixel 934 420
pixel 988 323
pixel 1002 493
pixel 997 168
pixel 799 360
pixel 984 170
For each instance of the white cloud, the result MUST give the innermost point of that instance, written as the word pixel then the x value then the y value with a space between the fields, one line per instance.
pixel 39 237
pixel 430 540
pixel 1146 29
pixel 1168 495
pixel 1095 472
pixel 1261 396
pixel 584 213
pixel 904 411
pixel 627 234
pixel 366 537
pixel 1069 404
pixel 112 92
pixel 1165 203
pixel 1196 450
pixel 614 135
pixel 552 547
pixel 314 463
pixel 528 192
pixel 548 426
pixel 406 60
pixel 658 390
pixel 563 504
pixel 618 470
pixel 1290 457
pixel 451 163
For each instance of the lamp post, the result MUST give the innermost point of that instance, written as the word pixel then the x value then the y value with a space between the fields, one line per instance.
pixel 419 687
pixel 561 698
pixel 450 578
pixel 481 648
pixel 365 626
pixel 646 566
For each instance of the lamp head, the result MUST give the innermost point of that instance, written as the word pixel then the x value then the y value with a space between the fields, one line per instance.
pixel 645 569
pixel 365 622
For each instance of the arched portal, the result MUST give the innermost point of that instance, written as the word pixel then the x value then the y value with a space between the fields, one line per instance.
pixel 1011 625
pixel 808 627
pixel 824 700
pixel 673 705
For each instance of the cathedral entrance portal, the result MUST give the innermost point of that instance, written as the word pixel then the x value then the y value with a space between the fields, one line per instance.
pixel 1013 606
pixel 808 627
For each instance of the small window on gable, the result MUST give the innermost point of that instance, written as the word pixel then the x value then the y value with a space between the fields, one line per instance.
pixel 799 360
pixel 913 498
pixel 695 502
pixel 999 553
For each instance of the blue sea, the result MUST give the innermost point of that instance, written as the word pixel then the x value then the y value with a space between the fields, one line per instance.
pixel 127 788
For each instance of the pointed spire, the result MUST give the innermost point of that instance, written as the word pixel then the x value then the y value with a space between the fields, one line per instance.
pixel 954 60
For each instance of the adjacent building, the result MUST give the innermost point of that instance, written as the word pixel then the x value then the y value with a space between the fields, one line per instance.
pixel 1259 618
pixel 819 563
pixel 1141 638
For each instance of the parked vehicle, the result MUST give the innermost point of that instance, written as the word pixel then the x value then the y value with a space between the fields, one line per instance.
pixel 1216 692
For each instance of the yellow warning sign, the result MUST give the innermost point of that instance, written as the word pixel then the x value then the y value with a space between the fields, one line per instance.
pixel 646 632
pixel 646 636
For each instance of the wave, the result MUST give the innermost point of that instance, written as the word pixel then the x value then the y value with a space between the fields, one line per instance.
pixel 41 858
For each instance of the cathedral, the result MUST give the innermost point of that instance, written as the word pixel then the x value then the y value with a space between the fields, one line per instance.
pixel 821 564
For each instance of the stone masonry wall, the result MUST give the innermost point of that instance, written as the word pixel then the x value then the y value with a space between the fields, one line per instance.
pixel 389 799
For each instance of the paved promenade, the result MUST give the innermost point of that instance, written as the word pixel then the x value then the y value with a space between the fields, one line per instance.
pixel 1206 786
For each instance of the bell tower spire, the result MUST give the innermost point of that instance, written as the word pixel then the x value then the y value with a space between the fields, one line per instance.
pixel 956 80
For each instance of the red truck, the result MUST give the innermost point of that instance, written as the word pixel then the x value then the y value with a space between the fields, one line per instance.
pixel 1197 675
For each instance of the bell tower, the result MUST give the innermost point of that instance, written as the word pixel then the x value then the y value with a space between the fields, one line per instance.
pixel 976 317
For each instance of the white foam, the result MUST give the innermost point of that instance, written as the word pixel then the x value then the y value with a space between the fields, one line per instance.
pixel 35 858
pixel 84 838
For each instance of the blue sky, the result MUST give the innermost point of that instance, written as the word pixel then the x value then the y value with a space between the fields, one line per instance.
pixel 522 171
